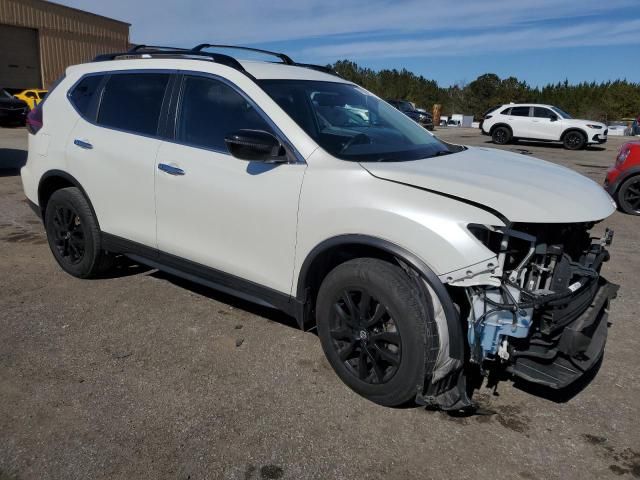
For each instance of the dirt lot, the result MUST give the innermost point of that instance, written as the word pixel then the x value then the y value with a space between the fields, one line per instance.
pixel 147 376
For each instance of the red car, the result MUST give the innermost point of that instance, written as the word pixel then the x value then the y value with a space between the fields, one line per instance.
pixel 623 178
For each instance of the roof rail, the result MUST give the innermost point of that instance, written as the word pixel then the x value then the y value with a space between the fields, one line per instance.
pixel 172 52
pixel 285 58
pixel 198 53
pixel 139 48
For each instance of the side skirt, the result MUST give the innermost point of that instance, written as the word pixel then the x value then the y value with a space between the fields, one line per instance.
pixel 203 275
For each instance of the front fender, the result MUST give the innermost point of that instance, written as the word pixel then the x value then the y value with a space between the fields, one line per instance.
pixel 342 198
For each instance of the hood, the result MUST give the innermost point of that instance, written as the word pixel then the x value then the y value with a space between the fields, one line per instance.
pixel 521 188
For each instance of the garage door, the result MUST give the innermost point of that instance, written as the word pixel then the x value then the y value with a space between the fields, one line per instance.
pixel 19 58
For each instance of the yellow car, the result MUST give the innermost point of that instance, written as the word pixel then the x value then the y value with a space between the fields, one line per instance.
pixel 32 96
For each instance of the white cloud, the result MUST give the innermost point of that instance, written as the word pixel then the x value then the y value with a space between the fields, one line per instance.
pixel 435 27
pixel 580 35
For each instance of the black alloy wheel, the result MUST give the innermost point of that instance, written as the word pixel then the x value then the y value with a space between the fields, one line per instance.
pixel 365 337
pixel 628 196
pixel 74 236
pixel 68 234
pixel 377 329
pixel 574 140
pixel 501 136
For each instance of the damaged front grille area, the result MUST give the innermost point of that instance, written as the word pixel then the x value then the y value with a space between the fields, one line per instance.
pixel 546 320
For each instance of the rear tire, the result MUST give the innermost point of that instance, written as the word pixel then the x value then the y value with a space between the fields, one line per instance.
pixel 74 236
pixel 376 329
pixel 574 140
pixel 501 135
pixel 628 196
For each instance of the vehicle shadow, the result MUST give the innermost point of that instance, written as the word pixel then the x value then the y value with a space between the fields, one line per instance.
pixel 235 302
pixel 123 267
pixel 11 161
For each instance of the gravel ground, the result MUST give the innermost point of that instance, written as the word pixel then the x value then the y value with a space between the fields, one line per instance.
pixel 147 376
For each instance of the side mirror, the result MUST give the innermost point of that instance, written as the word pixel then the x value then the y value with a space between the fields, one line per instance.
pixel 553 118
pixel 255 145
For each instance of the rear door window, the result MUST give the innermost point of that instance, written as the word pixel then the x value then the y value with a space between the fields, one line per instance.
pixel 82 94
pixel 520 111
pixel 133 101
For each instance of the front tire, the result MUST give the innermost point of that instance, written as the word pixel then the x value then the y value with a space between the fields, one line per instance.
pixel 73 234
pixel 376 329
pixel 501 136
pixel 628 196
pixel 574 140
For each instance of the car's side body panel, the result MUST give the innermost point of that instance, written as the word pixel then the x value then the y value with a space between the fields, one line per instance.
pixel 340 198
pixel 238 217
pixel 627 165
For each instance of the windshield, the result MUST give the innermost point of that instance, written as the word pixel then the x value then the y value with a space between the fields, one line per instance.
pixel 4 93
pixel 562 113
pixel 352 124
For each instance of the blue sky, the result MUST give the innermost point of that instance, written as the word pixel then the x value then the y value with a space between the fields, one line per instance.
pixel 539 41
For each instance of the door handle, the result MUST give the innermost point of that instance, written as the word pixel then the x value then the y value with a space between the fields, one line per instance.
pixel 82 144
pixel 170 169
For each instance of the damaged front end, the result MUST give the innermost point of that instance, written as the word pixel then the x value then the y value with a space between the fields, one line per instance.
pixel 543 314
pixel 538 310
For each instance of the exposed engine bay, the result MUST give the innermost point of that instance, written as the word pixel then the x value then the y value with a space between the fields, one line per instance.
pixel 545 320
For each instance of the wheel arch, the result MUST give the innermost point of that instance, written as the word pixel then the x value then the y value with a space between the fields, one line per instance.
pixel 574 129
pixel 626 175
pixel 336 250
pixel 501 124
pixel 54 180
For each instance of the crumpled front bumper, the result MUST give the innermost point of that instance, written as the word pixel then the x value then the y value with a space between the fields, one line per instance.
pixel 560 356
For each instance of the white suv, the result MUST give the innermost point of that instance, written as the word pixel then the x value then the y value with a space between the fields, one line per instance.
pixel 541 123
pixel 421 263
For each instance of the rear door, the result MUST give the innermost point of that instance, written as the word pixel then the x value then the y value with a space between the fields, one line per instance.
pixel 113 148
pixel 520 121
pixel 546 125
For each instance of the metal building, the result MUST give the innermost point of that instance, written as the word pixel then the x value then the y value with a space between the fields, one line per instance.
pixel 39 39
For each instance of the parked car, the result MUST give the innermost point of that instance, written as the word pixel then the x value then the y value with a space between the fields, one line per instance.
pixel 31 97
pixel 12 110
pixel 623 178
pixel 420 116
pixel 544 123
pixel 421 263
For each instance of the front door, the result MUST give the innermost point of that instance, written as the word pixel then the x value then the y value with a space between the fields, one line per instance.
pixel 546 124
pixel 234 216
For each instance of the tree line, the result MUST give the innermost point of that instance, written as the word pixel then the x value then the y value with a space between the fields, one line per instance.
pixel 605 101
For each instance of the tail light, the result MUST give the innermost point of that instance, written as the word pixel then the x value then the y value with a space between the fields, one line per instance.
pixel 622 156
pixel 487 117
pixel 34 120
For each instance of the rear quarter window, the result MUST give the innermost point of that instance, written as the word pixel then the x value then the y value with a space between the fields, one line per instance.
pixel 83 92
